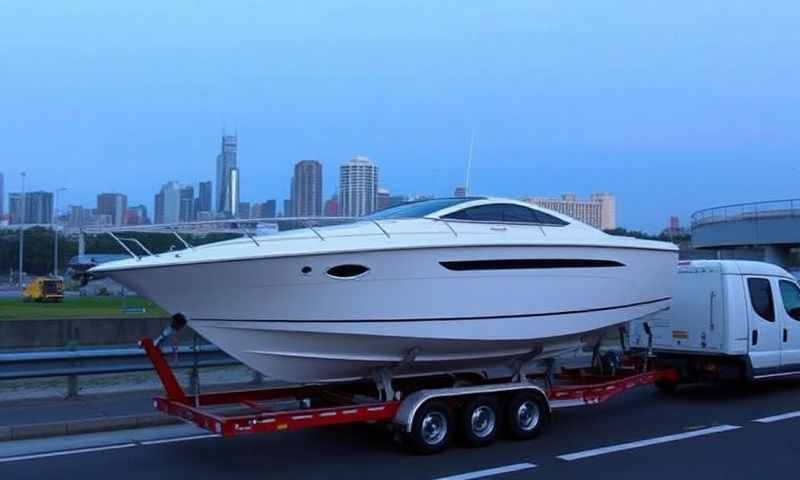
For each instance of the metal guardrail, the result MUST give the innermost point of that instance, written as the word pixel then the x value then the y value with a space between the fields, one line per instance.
pixel 74 363
pixel 747 211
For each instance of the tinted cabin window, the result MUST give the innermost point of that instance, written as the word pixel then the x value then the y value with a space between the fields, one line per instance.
pixel 547 219
pixel 790 295
pixel 500 213
pixel 484 213
pixel 761 298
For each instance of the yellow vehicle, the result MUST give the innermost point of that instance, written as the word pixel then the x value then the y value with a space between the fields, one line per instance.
pixel 44 289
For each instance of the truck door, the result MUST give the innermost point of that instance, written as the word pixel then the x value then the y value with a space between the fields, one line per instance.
pixel 765 329
pixel 789 313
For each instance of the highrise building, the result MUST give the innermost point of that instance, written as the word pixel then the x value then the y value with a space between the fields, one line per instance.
pixel 2 195
pixel 269 209
pixel 115 205
pixel 75 217
pixel 204 196
pixel 168 203
pixel 331 208
pixel 15 213
pixel 599 210
pixel 38 207
pixel 307 189
pixel 228 176
pixel 287 207
pixel 137 216
pixel 383 198
pixel 186 209
pixel 358 187
pixel 243 211
pixel 263 210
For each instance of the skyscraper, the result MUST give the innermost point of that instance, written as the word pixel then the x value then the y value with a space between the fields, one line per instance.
pixel 2 195
pixel 168 203
pixel 228 176
pixel 186 209
pixel 137 216
pixel 331 208
pixel 115 205
pixel 358 187
pixel 38 207
pixel 307 189
pixel 204 198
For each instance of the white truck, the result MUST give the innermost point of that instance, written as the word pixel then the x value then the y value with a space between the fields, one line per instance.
pixel 729 320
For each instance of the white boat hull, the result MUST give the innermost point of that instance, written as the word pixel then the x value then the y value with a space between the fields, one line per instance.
pixel 310 327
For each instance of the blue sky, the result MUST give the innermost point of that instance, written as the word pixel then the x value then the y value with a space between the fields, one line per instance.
pixel 672 106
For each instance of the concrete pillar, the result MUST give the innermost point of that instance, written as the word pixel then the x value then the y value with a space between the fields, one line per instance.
pixel 777 254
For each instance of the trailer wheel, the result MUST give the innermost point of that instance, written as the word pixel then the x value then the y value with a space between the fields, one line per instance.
pixel 479 421
pixel 527 415
pixel 432 428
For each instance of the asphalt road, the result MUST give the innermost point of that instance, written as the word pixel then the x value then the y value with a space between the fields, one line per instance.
pixel 699 432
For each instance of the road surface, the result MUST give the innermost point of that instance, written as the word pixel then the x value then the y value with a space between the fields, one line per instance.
pixel 703 432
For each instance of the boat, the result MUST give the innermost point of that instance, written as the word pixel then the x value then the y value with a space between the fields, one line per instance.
pixel 441 285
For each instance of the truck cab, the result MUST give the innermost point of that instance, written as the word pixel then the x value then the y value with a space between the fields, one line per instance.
pixel 729 320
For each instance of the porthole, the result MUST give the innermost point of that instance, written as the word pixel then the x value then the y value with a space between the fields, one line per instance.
pixel 347 271
pixel 305 270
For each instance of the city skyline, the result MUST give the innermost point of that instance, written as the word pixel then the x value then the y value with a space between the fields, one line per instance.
pixel 674 108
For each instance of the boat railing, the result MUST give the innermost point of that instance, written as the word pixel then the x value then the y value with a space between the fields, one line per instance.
pixel 248 228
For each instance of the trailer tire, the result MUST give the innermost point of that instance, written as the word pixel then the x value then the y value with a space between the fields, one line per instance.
pixel 527 415
pixel 432 428
pixel 480 421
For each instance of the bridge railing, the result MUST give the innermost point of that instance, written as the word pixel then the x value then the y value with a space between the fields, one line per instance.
pixel 747 211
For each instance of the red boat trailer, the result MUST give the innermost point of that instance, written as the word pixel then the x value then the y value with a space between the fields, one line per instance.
pixel 234 413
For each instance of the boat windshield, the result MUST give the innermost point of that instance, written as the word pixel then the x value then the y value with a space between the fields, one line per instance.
pixel 417 209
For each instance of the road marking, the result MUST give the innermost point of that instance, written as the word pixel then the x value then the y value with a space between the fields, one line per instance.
pixel 489 472
pixel 645 443
pixel 778 418
pixel 65 452
pixel 179 439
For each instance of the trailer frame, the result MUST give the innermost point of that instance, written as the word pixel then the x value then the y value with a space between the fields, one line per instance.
pixel 239 412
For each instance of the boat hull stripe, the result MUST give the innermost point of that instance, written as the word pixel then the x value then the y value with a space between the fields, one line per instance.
pixel 444 319
pixel 527 263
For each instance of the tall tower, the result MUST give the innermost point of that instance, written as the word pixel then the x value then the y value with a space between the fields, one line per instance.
pixel 228 176
pixel 115 205
pixel 204 196
pixel 358 187
pixel 307 189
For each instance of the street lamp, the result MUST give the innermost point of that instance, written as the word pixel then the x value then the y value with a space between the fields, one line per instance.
pixel 22 231
pixel 55 229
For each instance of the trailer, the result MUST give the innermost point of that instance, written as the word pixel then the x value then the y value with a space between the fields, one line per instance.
pixel 424 412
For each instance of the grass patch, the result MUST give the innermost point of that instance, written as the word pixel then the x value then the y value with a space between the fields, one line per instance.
pixel 80 307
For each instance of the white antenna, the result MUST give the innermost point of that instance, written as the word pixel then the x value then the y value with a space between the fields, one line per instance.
pixel 469 162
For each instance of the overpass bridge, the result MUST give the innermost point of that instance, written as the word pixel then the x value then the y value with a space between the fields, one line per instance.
pixel 772 227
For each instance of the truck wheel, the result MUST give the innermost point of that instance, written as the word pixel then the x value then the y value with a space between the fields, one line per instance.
pixel 432 428
pixel 527 415
pixel 479 421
